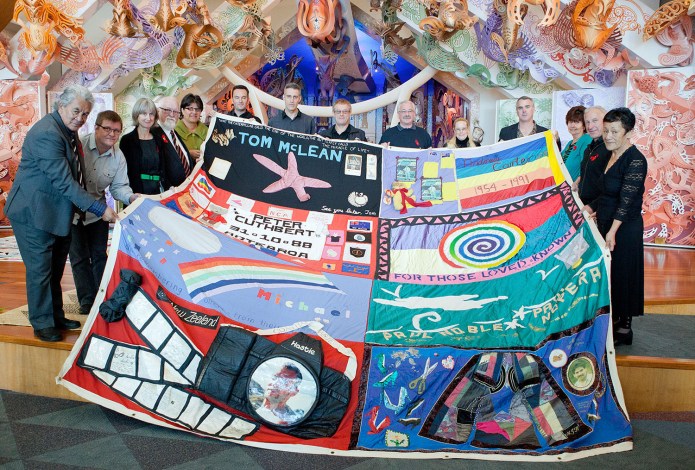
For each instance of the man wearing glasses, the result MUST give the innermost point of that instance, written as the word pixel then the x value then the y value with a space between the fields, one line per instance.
pixel 342 129
pixel 179 163
pixel 406 134
pixel 292 119
pixel 104 165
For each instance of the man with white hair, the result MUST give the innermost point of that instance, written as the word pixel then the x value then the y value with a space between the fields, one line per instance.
pixel 595 156
pixel 48 195
pixel 178 163
pixel 406 134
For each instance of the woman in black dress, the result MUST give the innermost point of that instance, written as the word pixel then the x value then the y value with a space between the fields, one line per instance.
pixel 144 152
pixel 619 219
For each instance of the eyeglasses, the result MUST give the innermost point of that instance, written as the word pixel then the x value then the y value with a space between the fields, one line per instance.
pixel 169 111
pixel 110 130
pixel 342 111
pixel 191 109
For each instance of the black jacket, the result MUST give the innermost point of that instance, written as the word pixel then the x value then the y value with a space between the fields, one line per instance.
pixel 174 172
pixel 593 164
pixel 130 146
pixel 510 132
pixel 351 133
pixel 247 115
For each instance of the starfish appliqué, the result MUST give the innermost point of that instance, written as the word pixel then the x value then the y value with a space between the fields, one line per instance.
pixel 290 177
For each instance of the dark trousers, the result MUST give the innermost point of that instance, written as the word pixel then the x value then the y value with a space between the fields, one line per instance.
pixel 88 259
pixel 44 256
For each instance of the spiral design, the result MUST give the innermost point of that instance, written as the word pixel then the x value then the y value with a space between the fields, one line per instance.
pixel 483 245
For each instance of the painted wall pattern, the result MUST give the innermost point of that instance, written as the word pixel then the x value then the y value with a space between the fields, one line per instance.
pixel 21 105
pixel 664 103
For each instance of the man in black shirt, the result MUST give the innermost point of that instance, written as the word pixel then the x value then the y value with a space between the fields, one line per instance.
pixel 342 129
pixel 406 133
pixel 292 119
pixel 595 156
pixel 240 100
pixel 525 110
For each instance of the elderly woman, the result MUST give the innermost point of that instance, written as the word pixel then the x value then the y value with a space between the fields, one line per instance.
pixel 619 219
pixel 461 136
pixel 574 151
pixel 144 152
pixel 189 128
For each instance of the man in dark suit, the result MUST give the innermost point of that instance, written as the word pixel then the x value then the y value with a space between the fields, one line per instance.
pixel 595 158
pixel 525 109
pixel 292 119
pixel 178 161
pixel 46 197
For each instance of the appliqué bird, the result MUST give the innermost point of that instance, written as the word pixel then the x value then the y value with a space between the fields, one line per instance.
pixel 546 274
pixel 290 177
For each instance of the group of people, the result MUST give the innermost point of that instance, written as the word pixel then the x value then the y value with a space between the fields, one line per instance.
pixel 609 175
pixel 57 204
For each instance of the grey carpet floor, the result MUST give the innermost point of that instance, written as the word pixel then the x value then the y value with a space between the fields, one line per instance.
pixel 48 433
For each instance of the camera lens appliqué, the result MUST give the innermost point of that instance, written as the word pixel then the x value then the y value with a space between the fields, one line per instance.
pixel 282 391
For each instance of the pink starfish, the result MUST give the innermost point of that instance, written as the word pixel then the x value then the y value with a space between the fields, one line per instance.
pixel 290 177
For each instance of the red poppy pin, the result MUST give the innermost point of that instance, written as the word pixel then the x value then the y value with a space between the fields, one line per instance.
pixel 164 138
pixel 593 157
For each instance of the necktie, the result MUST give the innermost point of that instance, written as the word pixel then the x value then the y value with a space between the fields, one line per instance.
pixel 182 154
pixel 77 150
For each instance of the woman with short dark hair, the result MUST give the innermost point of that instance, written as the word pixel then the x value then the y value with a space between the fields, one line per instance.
pixel 619 219
pixel 574 150
pixel 189 128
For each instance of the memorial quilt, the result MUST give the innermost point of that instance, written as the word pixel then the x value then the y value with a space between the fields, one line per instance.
pixel 336 297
